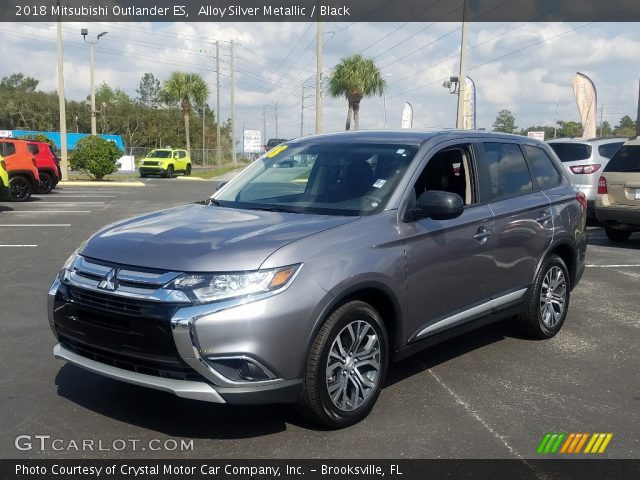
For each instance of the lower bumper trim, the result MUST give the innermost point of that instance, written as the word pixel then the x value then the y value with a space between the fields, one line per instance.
pixel 182 388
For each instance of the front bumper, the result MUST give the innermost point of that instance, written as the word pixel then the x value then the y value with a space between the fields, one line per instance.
pixel 273 332
pixel 151 170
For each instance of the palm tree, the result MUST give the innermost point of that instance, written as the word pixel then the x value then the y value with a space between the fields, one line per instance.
pixel 356 77
pixel 185 89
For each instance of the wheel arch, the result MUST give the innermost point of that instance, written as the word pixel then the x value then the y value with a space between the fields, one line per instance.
pixel 569 254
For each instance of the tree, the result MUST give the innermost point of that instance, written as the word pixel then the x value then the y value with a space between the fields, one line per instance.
pixel 605 129
pixel 505 122
pixel 548 131
pixel 356 77
pixel 185 89
pixel 569 129
pixel 95 156
pixel 18 81
pixel 626 127
pixel 149 90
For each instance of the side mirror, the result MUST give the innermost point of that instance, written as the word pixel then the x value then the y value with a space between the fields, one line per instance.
pixel 220 185
pixel 438 205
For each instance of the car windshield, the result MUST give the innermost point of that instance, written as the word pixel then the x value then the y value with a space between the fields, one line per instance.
pixel 160 154
pixel 571 152
pixel 324 178
pixel 627 159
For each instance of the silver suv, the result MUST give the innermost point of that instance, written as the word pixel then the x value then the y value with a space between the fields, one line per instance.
pixel 584 161
pixel 322 262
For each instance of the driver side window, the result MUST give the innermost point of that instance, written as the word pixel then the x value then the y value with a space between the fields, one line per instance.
pixel 449 170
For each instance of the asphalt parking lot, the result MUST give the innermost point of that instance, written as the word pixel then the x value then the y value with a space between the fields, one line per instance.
pixel 488 394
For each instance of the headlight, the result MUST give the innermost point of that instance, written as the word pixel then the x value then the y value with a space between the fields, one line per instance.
pixel 205 287
pixel 68 266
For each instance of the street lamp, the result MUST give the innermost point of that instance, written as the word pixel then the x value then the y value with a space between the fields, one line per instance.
pixel 84 32
pixel 384 102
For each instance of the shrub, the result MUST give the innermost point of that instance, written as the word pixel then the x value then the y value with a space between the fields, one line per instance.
pixel 95 156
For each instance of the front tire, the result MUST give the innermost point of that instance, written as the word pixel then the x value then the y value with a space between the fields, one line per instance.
pixel 617 235
pixel 21 189
pixel 169 172
pixel 549 301
pixel 46 183
pixel 346 368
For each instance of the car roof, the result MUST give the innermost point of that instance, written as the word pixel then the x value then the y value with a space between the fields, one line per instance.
pixel 589 141
pixel 416 137
pixel 633 142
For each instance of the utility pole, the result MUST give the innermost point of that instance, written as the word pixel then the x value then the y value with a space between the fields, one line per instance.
pixel 638 116
pixel 319 77
pixel 462 74
pixel 62 105
pixel 555 123
pixel 218 118
pixel 204 116
pixel 601 118
pixel 276 117
pixel 302 113
pixel 233 108
pixel 264 123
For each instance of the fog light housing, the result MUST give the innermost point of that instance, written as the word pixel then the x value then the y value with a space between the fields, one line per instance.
pixel 240 369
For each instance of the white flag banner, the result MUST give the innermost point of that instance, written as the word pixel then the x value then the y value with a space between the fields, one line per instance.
pixel 469 104
pixel 407 116
pixel 586 98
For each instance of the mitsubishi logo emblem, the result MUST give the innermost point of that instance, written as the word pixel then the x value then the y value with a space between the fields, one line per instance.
pixel 110 281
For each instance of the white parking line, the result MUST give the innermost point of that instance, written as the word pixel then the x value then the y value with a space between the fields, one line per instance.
pixel 65 195
pixel 66 204
pixel 18 246
pixel 613 266
pixel 36 225
pixel 49 211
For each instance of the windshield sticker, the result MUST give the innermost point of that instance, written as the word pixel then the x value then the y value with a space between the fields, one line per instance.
pixel 379 183
pixel 276 151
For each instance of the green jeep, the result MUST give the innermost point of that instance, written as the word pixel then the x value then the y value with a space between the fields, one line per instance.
pixel 166 162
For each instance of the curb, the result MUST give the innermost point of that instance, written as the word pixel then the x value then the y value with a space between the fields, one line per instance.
pixel 82 183
pixel 197 179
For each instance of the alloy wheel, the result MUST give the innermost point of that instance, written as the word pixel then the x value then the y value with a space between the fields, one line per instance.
pixel 353 366
pixel 553 297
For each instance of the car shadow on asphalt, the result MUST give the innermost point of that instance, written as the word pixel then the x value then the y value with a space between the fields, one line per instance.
pixel 597 238
pixel 5 208
pixel 179 417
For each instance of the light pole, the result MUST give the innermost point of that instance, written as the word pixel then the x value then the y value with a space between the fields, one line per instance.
pixel 555 123
pixel 384 102
pixel 84 32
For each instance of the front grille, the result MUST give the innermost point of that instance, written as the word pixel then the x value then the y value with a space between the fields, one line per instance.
pixel 174 371
pixel 110 303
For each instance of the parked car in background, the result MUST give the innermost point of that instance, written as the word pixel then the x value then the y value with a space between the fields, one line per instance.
pixel 24 178
pixel 166 162
pixel 618 201
pixel 584 160
pixel 301 284
pixel 48 165
pixel 5 193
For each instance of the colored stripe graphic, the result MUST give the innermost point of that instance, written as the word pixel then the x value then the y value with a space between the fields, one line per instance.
pixel 573 443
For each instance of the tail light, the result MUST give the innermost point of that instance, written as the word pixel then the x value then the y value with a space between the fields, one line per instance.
pixel 582 200
pixel 585 169
pixel 602 186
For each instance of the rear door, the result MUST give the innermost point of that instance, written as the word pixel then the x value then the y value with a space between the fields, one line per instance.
pixel 522 216
pixel 623 176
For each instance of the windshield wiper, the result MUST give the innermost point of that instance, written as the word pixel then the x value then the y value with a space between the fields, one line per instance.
pixel 217 203
pixel 273 209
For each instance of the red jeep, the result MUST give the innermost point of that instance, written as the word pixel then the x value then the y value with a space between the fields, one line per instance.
pixel 48 165
pixel 21 167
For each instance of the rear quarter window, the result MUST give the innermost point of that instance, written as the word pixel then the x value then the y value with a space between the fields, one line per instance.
pixel 608 149
pixel 571 152
pixel 33 149
pixel 627 159
pixel 544 169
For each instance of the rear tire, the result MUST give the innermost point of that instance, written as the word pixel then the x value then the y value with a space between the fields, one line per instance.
pixel 343 377
pixel 187 172
pixel 549 300
pixel 169 172
pixel 21 189
pixel 617 235
pixel 46 183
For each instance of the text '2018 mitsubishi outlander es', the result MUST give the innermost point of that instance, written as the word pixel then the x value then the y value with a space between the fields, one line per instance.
pixel 327 258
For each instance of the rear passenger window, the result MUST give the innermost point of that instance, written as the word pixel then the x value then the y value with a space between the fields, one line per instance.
pixel 33 149
pixel 544 170
pixel 608 149
pixel 8 149
pixel 507 170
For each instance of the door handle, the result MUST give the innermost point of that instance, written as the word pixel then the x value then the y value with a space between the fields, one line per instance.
pixel 483 234
pixel 544 217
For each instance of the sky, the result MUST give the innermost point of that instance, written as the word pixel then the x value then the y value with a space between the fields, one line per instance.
pixel 524 67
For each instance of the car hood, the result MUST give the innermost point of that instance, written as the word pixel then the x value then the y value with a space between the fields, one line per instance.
pixel 201 238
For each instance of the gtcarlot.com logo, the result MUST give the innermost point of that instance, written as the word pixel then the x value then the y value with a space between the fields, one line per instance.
pixel 574 443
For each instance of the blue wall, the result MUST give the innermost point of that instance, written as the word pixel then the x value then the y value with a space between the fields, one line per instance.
pixel 72 138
